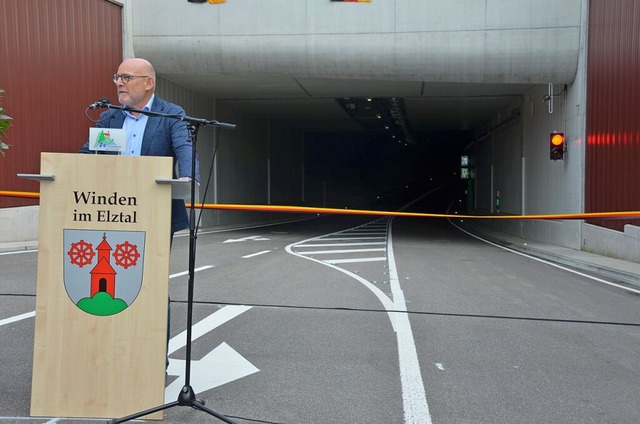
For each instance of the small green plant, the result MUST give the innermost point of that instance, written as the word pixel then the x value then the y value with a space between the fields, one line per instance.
pixel 5 123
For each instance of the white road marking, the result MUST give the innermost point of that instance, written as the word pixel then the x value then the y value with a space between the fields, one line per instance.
pixel 255 254
pixel 17 252
pixel 203 327
pixel 591 277
pixel 17 318
pixel 416 409
pixel 220 366
pixel 366 232
pixel 330 237
pixel 354 261
pixel 180 274
pixel 31 420
pixel 250 238
pixel 368 243
pixel 323 252
pixel 439 366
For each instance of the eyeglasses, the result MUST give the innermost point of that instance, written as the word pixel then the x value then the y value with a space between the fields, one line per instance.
pixel 126 77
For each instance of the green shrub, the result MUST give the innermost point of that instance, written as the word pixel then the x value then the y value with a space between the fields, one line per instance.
pixel 5 123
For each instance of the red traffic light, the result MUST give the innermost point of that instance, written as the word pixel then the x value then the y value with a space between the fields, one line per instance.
pixel 556 146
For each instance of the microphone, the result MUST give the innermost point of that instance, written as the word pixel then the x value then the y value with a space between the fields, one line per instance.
pixel 99 104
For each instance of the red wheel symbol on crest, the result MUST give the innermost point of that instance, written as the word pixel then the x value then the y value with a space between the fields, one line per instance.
pixel 81 253
pixel 126 254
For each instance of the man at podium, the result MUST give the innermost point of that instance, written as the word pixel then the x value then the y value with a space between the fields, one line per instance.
pixel 150 135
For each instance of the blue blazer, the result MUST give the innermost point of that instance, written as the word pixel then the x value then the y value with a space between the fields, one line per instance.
pixel 162 137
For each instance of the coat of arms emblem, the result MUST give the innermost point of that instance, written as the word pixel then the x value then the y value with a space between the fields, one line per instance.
pixel 103 269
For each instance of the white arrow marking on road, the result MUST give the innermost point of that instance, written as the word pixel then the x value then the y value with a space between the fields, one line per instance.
pixel 220 366
pixel 250 238
pixel 210 323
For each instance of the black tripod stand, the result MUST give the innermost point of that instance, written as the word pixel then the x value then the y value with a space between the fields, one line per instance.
pixel 187 396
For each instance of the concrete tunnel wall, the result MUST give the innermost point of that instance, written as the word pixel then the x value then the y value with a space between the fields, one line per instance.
pixel 515 161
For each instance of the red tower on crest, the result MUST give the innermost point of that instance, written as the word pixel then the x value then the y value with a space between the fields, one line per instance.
pixel 103 276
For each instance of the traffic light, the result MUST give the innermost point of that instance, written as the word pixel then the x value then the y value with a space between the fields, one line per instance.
pixel 557 146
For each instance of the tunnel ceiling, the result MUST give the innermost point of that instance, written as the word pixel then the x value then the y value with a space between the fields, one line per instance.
pixel 349 105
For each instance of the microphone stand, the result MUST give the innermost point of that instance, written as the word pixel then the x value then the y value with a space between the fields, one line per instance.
pixel 187 396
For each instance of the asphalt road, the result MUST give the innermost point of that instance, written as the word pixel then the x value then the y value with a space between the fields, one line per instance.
pixel 337 319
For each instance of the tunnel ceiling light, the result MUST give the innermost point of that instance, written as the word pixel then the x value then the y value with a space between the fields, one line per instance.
pixel 380 116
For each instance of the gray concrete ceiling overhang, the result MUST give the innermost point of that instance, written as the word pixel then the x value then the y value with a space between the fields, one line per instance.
pixel 450 77
pixel 313 104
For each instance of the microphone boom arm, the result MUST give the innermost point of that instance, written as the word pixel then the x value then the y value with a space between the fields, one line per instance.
pixel 104 103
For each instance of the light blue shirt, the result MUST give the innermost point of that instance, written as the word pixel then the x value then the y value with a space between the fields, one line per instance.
pixel 134 126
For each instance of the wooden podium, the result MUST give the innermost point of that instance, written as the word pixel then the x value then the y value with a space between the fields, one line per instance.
pixel 102 285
